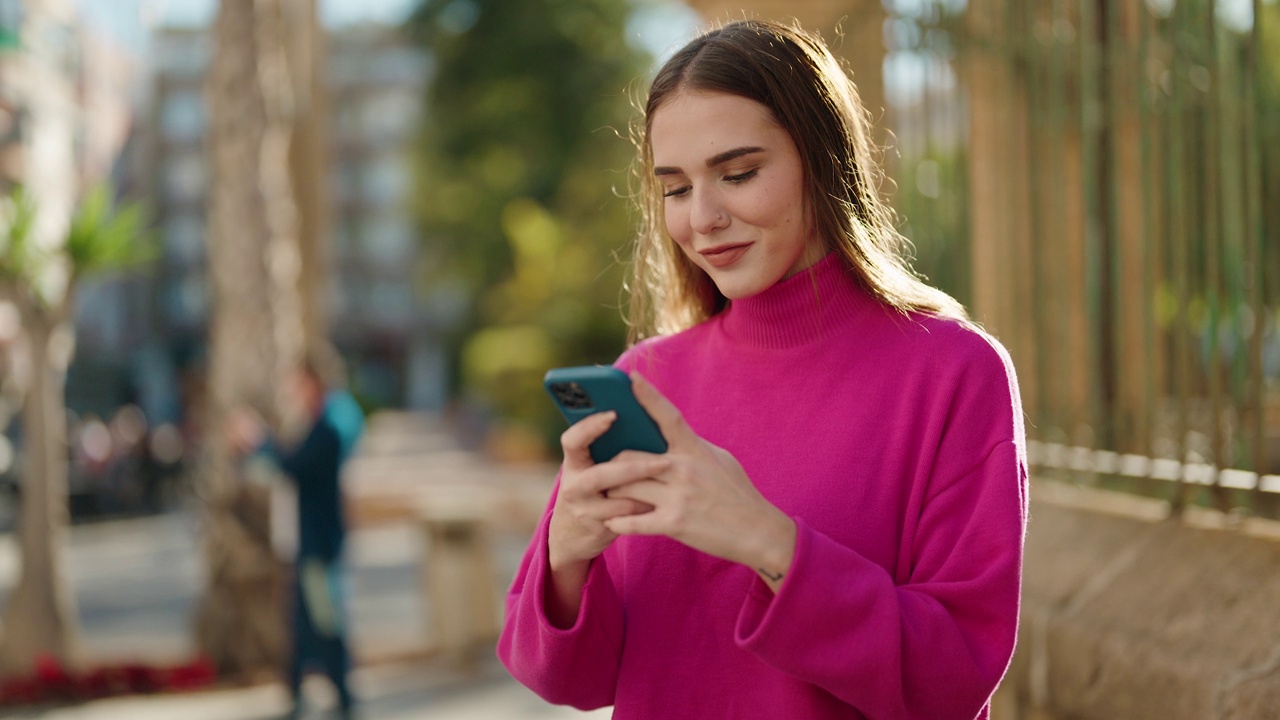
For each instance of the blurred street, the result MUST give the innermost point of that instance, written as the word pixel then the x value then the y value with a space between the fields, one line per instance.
pixel 137 581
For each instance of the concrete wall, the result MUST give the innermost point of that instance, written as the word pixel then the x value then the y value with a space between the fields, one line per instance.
pixel 1128 615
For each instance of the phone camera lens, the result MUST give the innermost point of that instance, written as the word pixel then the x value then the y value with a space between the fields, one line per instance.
pixel 575 397
pixel 571 395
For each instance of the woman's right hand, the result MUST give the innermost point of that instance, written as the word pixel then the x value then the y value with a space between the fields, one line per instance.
pixel 245 430
pixel 577 533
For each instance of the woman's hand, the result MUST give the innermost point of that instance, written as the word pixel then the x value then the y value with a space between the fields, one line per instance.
pixel 702 498
pixel 245 430
pixel 577 532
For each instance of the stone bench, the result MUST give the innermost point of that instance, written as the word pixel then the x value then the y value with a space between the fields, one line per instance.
pixel 1130 614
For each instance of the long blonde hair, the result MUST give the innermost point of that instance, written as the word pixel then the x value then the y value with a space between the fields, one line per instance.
pixel 810 95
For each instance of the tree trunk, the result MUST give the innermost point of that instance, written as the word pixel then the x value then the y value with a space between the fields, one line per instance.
pixel 308 158
pixel 255 327
pixel 40 619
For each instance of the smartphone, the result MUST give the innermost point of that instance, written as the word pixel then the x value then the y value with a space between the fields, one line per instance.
pixel 583 391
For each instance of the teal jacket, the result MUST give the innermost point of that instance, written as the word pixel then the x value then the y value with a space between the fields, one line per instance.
pixel 315 467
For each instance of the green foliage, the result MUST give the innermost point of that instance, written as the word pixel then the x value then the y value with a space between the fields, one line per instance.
pixel 104 238
pixel 520 171
pixel 101 238
pixel 17 256
pixel 936 218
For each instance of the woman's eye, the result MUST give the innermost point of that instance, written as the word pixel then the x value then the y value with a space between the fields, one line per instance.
pixel 676 192
pixel 741 177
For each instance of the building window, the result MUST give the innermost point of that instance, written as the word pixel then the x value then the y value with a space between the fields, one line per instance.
pixel 184 176
pixel 185 300
pixel 183 54
pixel 390 115
pixel 389 243
pixel 184 239
pixel 182 116
pixel 401 66
pixel 386 181
pixel 389 302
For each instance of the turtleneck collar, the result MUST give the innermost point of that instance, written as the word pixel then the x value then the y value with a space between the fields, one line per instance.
pixel 801 309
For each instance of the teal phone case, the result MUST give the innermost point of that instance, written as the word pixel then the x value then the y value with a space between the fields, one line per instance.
pixel 583 391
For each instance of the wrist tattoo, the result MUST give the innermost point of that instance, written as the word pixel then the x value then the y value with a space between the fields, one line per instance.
pixel 771 577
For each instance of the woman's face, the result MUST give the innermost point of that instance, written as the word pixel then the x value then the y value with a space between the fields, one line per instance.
pixel 734 190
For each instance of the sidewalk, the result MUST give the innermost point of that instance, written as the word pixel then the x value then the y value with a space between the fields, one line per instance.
pixel 136 583
pixel 391 692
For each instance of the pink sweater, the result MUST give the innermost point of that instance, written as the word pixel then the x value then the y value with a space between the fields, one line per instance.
pixel 897 445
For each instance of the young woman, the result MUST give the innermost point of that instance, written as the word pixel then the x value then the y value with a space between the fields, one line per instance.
pixel 836 529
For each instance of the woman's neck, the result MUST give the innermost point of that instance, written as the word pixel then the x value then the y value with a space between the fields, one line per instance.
pixel 800 309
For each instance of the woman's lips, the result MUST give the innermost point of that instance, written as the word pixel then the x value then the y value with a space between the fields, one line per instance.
pixel 724 255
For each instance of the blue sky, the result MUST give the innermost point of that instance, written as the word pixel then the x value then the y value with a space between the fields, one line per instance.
pixel 660 25
pixel 128 19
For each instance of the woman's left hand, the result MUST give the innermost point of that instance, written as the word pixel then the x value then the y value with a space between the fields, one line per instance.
pixel 704 499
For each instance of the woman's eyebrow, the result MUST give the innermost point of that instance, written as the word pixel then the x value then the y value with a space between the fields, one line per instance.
pixel 714 160
pixel 733 154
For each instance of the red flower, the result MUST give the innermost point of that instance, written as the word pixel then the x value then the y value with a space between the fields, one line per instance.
pixel 51 682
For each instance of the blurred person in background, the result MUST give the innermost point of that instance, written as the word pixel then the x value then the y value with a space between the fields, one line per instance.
pixel 836 528
pixel 314 467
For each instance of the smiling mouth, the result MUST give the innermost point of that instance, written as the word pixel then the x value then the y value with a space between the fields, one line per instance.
pixel 724 255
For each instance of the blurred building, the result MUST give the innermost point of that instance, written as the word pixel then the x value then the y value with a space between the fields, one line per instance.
pixel 64 105
pixel 110 311
pixel 65 114
pixel 37 65
pixel 39 117
pixel 377 84
pixel 377 318
pixel 170 171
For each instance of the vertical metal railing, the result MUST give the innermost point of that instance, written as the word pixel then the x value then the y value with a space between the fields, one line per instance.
pixel 1132 266
pixel 1262 229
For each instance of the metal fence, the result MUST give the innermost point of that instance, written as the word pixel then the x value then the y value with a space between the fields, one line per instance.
pixel 1100 181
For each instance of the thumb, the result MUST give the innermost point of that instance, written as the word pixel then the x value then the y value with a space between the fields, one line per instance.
pixel 668 417
pixel 576 441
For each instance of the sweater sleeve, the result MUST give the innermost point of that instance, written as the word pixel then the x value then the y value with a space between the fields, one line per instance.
pixel 934 642
pixel 320 449
pixel 575 666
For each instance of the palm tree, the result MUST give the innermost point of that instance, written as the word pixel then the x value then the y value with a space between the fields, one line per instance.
pixel 256 326
pixel 40 619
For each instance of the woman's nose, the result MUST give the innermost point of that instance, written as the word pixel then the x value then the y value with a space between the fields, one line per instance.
pixel 708 213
